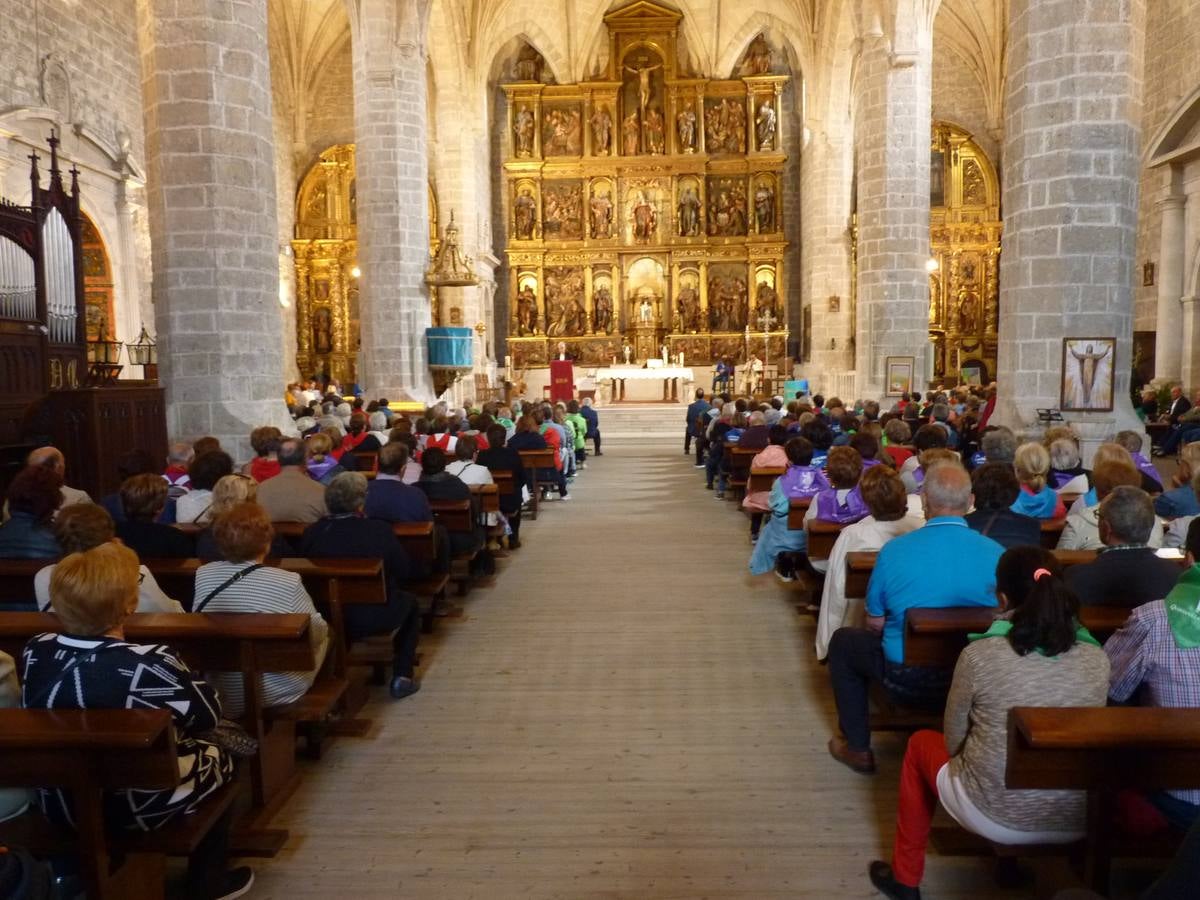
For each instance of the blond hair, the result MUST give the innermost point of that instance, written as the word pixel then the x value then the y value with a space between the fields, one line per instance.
pixel 231 490
pixel 319 446
pixel 1032 464
pixel 93 591
pixel 1111 452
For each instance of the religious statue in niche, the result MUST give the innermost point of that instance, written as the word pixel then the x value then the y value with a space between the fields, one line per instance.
pixel 561 133
pixel 764 207
pixel 688 303
pixel 602 215
pixel 524 215
pixel 562 212
pixel 725 126
pixel 317 206
pixel 644 218
pixel 726 302
pixel 689 213
pixel 527 313
pixel 685 126
pixel 727 209
pixel 767 301
pixel 529 65
pixel 602 124
pixel 935 300
pixel 602 315
pixel 765 125
pixel 655 138
pixel 523 129
pixel 645 85
pixel 630 130
pixel 968 318
pixel 646 312
pixel 323 330
pixel 758 57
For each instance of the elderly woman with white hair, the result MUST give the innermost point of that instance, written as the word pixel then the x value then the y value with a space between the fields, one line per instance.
pixel 377 425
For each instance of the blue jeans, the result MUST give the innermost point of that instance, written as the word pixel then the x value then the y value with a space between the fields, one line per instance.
pixel 1184 434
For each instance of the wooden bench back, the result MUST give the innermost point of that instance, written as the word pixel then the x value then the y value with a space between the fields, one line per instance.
pixel 488 496
pixel 797 510
pixel 739 464
pixel 935 637
pixel 506 482
pixel 538 459
pixel 762 480
pixel 456 515
pixel 1103 748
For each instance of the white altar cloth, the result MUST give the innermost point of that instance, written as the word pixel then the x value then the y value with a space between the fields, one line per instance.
pixel 637 373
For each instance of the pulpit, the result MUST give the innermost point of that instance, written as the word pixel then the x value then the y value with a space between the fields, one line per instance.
pixel 562 380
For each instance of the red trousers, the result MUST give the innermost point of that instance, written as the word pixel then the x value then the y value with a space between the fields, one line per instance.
pixel 925 756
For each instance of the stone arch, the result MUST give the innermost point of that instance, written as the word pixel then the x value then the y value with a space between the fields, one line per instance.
pixel 532 33
pixel 776 31
pixel 1181 124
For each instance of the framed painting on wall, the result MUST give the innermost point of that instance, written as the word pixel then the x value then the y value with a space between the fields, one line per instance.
pixel 898 374
pixel 1087 374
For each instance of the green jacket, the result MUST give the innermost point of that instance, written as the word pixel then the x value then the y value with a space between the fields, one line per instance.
pixel 579 423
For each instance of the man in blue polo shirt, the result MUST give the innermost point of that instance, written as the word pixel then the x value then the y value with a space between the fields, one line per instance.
pixel 904 578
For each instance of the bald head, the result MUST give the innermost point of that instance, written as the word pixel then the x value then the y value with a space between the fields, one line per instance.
pixel 48 458
pixel 947 491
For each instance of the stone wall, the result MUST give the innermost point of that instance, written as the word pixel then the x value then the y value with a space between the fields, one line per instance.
pixel 330 109
pixel 958 98
pixel 1172 54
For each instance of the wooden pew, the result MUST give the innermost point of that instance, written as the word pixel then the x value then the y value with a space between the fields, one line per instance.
pixel 762 480
pixel 249 643
pixel 506 483
pixel 1052 530
pixel 533 460
pixel 89 752
pixel 822 536
pixel 935 637
pixel 420 543
pixel 458 517
pixel 1103 750
pixel 739 466
pixel 488 495
pixel 797 510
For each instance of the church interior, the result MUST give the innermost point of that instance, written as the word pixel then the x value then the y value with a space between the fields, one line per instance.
pixel 243 240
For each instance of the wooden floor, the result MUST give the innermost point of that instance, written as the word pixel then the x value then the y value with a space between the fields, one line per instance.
pixel 625 714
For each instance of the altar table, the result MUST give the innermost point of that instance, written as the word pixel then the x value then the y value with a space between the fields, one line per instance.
pixel 671 376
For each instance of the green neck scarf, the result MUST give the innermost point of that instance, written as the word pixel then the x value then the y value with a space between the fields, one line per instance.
pixel 1183 609
pixel 1002 627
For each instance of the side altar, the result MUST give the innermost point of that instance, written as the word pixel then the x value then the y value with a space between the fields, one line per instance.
pixel 644 207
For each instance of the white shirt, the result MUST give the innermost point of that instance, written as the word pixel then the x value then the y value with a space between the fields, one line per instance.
pixel 151 598
pixel 865 534
pixel 470 472
pixel 194 506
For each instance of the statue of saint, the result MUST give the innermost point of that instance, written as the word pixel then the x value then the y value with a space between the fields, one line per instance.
pixel 630 129
pixel 645 86
pixel 689 213
pixel 767 301
pixel 526 311
pixel 655 127
pixel 524 214
pixel 764 208
pixel 576 317
pixel 645 219
pixel 685 125
pixel 689 309
pixel 602 131
pixel 529 65
pixel 766 126
pixel 628 351
pixel 602 214
pixel 758 57
pixel 523 128
pixel 602 315
pixel 645 312
pixel 322 331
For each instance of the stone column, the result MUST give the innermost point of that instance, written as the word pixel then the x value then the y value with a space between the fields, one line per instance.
pixel 1071 165
pixel 211 194
pixel 825 262
pixel 1190 342
pixel 892 124
pixel 390 125
pixel 1168 348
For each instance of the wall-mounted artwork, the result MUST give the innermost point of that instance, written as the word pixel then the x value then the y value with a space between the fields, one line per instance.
pixel 1087 374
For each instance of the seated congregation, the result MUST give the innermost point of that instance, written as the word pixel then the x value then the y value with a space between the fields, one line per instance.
pixel 263 597
pixel 962 578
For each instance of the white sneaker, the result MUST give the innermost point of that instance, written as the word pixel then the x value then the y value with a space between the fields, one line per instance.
pixel 565 497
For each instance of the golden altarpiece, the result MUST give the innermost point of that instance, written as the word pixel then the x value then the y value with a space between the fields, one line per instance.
pixel 964 241
pixel 325 250
pixel 644 207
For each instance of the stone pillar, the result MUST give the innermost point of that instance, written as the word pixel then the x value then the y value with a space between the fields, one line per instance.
pixel 1168 347
pixel 825 262
pixel 1190 343
pixel 390 125
pixel 1071 165
pixel 892 125
pixel 211 193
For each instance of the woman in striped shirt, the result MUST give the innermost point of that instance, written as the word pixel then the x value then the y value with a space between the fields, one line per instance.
pixel 240 583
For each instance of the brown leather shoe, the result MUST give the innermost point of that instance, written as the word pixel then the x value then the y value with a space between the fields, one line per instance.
pixel 861 761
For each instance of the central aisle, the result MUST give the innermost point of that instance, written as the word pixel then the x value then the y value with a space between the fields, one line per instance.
pixel 625 714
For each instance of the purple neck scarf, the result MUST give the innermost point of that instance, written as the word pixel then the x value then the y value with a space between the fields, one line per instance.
pixel 850 510
pixel 1147 468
